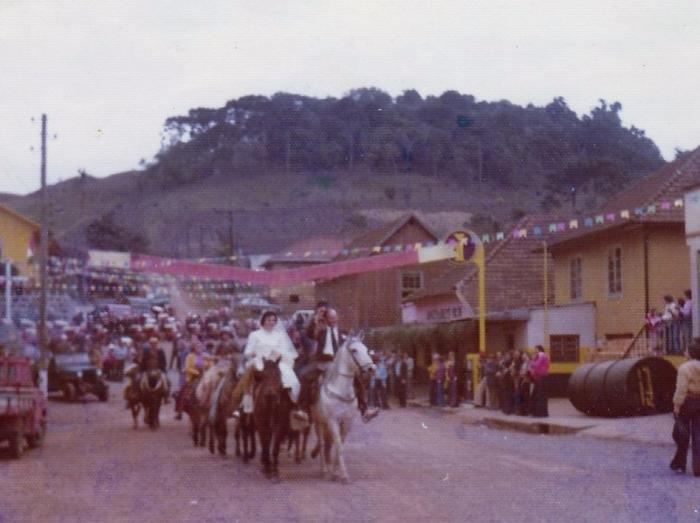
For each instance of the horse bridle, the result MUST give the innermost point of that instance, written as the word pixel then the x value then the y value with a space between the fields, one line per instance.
pixel 359 369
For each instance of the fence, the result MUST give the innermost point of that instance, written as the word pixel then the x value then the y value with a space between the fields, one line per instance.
pixel 666 338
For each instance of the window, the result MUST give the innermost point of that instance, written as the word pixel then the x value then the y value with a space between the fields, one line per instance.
pixel 576 282
pixel 410 282
pixel 293 298
pixel 615 271
pixel 564 348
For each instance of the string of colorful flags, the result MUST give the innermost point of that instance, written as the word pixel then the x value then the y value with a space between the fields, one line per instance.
pixel 74 266
pixel 517 233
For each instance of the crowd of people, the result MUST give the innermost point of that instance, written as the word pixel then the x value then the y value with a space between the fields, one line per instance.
pixel 442 374
pixel 515 383
pixel 393 377
pixel 670 329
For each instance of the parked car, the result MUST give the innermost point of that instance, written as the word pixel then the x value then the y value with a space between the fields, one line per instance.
pixel 74 375
pixel 22 406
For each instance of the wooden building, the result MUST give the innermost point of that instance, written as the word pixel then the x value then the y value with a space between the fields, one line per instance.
pixel 304 253
pixel 373 299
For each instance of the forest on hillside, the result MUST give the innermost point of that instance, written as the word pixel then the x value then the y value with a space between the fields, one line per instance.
pixel 367 130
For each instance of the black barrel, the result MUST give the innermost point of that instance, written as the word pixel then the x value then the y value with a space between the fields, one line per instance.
pixel 624 387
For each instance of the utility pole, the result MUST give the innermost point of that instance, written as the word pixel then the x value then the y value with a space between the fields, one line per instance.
pixel 43 259
pixel 8 290
pixel 231 245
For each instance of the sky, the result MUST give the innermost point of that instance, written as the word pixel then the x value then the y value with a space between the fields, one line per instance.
pixel 109 73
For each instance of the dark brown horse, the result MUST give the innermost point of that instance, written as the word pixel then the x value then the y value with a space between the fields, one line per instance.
pixel 153 390
pixel 132 395
pixel 271 412
pixel 245 435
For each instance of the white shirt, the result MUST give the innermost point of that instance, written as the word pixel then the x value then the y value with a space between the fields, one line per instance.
pixel 328 347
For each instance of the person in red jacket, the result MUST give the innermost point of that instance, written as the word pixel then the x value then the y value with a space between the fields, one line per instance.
pixel 539 370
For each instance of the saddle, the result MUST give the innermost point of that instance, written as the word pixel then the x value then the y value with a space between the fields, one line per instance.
pixel 310 380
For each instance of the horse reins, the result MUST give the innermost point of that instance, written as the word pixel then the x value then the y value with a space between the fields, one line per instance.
pixel 360 370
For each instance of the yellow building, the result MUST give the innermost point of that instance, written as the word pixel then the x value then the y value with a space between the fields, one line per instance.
pixel 626 265
pixel 16 239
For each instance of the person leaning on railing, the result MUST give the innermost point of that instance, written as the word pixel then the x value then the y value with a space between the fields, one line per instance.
pixel 686 409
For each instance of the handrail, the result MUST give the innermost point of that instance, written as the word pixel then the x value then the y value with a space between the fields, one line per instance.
pixel 641 334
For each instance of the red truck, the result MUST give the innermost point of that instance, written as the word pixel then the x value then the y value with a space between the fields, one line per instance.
pixel 22 406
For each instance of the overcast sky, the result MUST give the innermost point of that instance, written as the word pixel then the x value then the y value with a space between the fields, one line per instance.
pixel 109 73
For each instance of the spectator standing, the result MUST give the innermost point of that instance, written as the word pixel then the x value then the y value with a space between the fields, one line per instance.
pixel 432 377
pixel 490 371
pixel 440 377
pixel 505 383
pixel 687 319
pixel 539 369
pixel 671 318
pixel 410 365
pixel 381 374
pixel 686 409
pixel 400 378
pixel 654 324
pixel 391 380
pixel 451 380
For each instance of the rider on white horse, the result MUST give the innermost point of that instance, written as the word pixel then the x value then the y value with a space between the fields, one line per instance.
pixel 328 338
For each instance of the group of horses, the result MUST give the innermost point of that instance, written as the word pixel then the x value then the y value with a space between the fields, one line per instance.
pixel 266 414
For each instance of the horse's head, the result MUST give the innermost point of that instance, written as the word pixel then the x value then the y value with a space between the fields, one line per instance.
pixel 359 353
pixel 270 378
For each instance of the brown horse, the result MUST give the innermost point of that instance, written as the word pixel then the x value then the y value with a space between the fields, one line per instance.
pixel 245 435
pixel 197 415
pixel 217 417
pixel 153 389
pixel 271 412
pixel 132 395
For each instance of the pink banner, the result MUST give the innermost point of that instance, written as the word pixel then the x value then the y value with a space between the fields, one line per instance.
pixel 182 268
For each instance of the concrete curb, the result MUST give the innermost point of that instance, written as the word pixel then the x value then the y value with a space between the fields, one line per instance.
pixel 647 430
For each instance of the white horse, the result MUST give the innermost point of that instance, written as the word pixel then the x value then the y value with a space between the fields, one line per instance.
pixel 337 405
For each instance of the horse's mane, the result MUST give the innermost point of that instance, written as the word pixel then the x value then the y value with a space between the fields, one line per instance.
pixel 333 369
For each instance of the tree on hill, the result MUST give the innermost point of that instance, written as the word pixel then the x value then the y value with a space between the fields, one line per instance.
pixel 105 233
pixel 452 134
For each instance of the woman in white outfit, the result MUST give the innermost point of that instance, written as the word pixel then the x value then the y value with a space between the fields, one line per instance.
pixel 270 343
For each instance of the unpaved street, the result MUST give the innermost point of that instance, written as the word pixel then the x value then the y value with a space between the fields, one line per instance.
pixel 409 465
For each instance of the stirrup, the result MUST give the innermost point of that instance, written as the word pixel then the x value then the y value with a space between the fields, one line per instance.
pixel 299 420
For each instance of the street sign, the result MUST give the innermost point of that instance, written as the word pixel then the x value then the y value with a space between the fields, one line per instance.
pixel 464 244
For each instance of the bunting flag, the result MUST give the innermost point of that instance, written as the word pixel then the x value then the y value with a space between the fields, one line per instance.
pixel 125 272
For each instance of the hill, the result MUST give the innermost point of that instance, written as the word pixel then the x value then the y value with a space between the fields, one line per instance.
pixel 279 169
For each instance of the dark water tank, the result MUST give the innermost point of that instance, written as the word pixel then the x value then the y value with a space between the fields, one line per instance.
pixel 624 387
